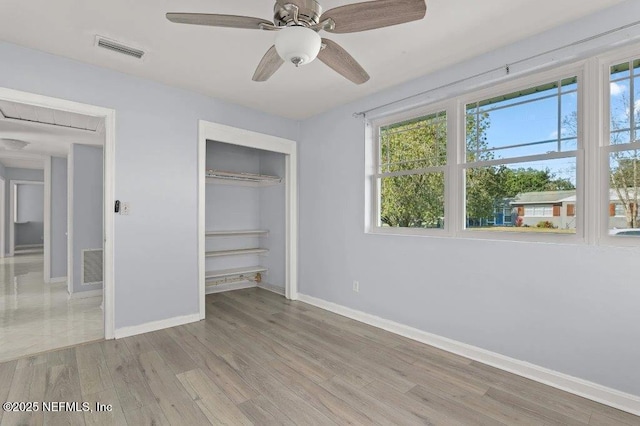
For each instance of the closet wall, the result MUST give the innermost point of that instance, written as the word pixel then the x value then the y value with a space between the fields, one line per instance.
pixel 272 217
pixel 236 207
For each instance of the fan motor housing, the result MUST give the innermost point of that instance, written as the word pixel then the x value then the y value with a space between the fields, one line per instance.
pixel 309 12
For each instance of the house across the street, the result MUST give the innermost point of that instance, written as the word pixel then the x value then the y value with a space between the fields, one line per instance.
pixel 559 208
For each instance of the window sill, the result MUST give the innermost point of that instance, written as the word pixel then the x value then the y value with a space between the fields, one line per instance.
pixel 632 242
pixel 523 237
pixel 410 232
pixel 518 237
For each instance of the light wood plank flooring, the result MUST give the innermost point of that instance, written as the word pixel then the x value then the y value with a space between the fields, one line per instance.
pixel 259 359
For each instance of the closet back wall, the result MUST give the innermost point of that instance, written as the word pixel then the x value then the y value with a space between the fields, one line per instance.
pixel 232 207
pixel 156 246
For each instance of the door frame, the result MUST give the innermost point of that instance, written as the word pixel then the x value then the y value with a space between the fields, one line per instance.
pixel 3 216
pixel 13 209
pixel 47 220
pixel 236 136
pixel 109 116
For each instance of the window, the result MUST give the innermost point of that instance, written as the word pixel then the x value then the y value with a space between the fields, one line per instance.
pixel 538 211
pixel 410 172
pixel 619 210
pixel 521 146
pixel 508 162
pixel 624 148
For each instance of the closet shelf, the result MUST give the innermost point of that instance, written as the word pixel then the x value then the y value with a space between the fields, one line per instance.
pixel 238 233
pixel 222 273
pixel 235 252
pixel 246 179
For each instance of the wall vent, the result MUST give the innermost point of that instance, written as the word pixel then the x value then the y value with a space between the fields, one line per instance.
pixel 118 47
pixel 92 266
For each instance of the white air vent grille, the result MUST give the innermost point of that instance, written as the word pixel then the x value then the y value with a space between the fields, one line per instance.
pixel 115 46
pixel 91 266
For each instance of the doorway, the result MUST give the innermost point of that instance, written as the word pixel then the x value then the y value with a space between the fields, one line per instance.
pixel 244 138
pixel 102 253
pixel 26 216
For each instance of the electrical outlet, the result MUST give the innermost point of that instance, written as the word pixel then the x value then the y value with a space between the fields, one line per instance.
pixel 125 209
pixel 356 286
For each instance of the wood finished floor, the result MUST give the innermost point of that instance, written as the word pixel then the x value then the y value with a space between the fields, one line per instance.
pixel 260 359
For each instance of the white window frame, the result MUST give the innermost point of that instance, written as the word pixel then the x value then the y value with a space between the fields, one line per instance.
pixel 605 62
pixel 374 172
pixel 578 70
pixel 592 189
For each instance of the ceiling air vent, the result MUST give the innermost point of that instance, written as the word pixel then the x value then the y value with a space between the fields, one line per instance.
pixel 115 46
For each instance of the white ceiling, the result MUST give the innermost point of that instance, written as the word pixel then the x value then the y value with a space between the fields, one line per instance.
pixel 220 62
pixel 49 133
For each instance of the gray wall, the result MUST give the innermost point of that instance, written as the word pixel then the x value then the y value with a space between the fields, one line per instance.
pixel 58 217
pixel 12 173
pixel 232 207
pixel 570 308
pixel 156 271
pixel 272 217
pixel 87 207
pixel 30 215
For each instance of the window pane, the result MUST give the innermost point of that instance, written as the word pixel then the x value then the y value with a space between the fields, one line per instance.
pixel 624 103
pixel 620 71
pixel 624 184
pixel 534 121
pixel 569 111
pixel 636 110
pixel 414 144
pixel 412 201
pixel 538 197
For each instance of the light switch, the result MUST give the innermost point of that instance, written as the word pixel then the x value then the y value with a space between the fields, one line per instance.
pixel 125 209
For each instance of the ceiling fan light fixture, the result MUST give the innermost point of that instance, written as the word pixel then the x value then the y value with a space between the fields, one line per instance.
pixel 298 44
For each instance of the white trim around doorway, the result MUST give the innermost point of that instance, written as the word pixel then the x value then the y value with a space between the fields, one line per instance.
pixel 47 220
pixel 109 115
pixel 235 136
pixel 3 216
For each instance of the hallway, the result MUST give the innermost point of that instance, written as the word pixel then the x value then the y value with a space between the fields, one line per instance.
pixel 37 317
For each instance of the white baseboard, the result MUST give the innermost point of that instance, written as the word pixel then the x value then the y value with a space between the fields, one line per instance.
pixel 85 294
pixel 155 325
pixel 58 280
pixel 29 246
pixel 229 287
pixel 272 288
pixel 593 391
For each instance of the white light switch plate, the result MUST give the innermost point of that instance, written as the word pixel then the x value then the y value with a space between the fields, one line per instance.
pixel 125 209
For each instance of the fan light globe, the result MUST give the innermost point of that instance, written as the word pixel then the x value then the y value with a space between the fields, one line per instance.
pixel 298 45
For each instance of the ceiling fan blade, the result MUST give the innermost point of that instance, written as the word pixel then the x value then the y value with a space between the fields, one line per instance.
pixel 215 20
pixel 374 14
pixel 269 64
pixel 341 62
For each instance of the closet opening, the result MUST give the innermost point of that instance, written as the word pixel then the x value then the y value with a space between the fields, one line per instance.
pixel 248 212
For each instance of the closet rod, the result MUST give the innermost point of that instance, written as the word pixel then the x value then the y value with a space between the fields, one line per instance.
pixel 506 68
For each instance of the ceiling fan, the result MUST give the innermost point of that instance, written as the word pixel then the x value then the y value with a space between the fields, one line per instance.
pixel 298 23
